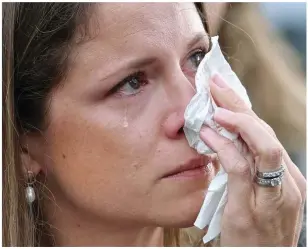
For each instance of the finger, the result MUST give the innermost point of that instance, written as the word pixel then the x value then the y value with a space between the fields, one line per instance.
pixel 298 177
pixel 237 167
pixel 291 167
pixel 266 149
pixel 294 192
pixel 293 185
pixel 299 224
pixel 242 147
pixel 227 98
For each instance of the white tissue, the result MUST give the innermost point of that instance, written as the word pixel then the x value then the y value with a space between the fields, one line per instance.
pixel 200 112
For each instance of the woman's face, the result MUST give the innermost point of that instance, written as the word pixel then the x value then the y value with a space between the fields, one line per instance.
pixel 115 130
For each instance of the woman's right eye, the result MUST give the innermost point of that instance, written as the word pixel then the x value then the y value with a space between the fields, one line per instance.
pixel 131 85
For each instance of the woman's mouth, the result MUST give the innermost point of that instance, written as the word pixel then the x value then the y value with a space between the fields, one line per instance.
pixel 197 167
pixel 200 171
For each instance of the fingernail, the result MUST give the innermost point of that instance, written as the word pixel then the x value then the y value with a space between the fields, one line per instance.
pixel 219 81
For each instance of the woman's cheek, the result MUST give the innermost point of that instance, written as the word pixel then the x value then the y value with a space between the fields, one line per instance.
pixel 190 75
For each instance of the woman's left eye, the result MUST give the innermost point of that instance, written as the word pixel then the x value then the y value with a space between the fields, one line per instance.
pixel 196 58
pixel 134 83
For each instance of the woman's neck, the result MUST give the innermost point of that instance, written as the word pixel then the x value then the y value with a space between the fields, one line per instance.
pixel 70 228
pixel 147 236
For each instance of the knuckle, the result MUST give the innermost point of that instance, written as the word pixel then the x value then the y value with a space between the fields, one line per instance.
pixel 241 223
pixel 229 91
pixel 234 99
pixel 242 119
pixel 301 183
pixel 274 154
pixel 293 202
pixel 296 198
pixel 237 101
pixel 225 145
pixel 266 214
pixel 249 112
pixel 242 168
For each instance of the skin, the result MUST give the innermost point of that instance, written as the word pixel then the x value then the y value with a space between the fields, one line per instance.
pixel 265 216
pixel 104 156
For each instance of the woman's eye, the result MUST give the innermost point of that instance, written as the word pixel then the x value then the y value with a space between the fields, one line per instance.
pixel 131 85
pixel 196 58
pixel 191 65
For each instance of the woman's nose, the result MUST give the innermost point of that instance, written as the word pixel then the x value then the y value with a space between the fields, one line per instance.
pixel 181 92
pixel 174 124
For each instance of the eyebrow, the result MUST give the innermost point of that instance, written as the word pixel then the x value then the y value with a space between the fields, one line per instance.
pixel 143 62
pixel 148 61
pixel 198 38
pixel 132 65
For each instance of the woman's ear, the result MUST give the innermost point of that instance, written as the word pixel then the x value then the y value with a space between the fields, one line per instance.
pixel 32 151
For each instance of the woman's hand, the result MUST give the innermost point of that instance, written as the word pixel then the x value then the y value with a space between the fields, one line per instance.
pixel 254 215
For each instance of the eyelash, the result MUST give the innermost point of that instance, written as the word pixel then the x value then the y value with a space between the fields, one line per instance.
pixel 135 75
pixel 199 50
pixel 141 75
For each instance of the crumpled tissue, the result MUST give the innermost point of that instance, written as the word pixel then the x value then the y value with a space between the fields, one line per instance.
pixel 199 112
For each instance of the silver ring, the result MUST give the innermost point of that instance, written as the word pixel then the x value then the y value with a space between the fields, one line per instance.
pixel 271 174
pixel 276 181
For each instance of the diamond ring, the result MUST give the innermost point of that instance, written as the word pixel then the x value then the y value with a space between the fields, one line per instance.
pixel 271 174
pixel 270 179
pixel 269 182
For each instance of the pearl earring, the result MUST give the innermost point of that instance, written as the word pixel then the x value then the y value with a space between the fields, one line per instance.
pixel 30 193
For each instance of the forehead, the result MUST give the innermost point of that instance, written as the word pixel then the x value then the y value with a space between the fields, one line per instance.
pixel 115 23
pixel 127 31
pixel 134 17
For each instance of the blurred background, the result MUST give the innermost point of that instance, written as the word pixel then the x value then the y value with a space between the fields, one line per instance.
pixel 289 20
pixel 265 44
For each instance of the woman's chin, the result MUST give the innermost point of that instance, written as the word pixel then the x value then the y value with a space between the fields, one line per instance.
pixel 182 212
pixel 187 217
pixel 181 219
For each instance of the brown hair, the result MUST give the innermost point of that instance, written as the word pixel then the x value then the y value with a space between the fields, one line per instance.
pixel 36 43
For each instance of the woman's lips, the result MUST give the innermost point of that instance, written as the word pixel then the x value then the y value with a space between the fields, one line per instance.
pixel 193 168
pixel 200 171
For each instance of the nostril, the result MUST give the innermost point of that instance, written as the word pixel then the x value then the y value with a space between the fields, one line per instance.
pixel 173 126
pixel 181 131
